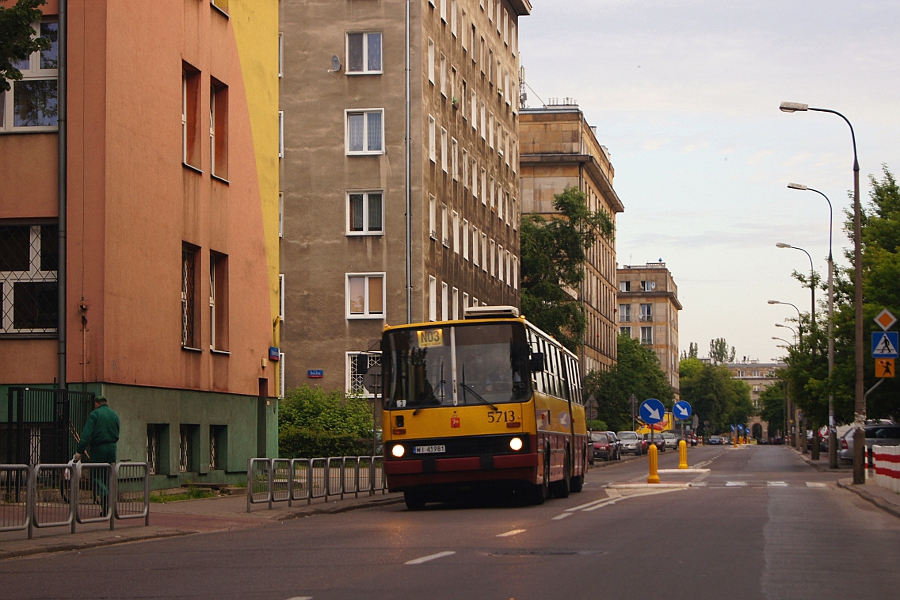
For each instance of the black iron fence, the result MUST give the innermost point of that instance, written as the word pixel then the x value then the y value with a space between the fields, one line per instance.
pixel 42 425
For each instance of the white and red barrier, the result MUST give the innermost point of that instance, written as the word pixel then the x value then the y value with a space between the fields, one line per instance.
pixel 887 467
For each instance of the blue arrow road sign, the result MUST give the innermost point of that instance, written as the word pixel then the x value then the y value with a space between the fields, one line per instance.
pixel 732 427
pixel 652 411
pixel 740 427
pixel 884 344
pixel 682 410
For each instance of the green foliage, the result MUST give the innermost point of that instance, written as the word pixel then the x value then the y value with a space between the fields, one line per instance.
pixel 807 372
pixel 17 38
pixel 597 425
pixel 313 422
pixel 719 352
pixel 714 396
pixel 771 401
pixel 294 442
pixel 691 352
pixel 637 372
pixel 553 254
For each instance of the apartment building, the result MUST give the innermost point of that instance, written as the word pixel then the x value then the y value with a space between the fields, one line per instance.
pixel 757 375
pixel 648 311
pixel 559 150
pixel 400 186
pixel 139 235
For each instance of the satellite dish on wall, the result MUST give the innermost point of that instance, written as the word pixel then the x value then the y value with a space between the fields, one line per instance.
pixel 335 64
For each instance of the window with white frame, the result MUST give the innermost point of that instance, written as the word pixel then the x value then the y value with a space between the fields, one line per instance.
pixel 188 295
pixel 444 155
pixel 365 213
pixel 31 104
pixel 280 134
pixel 443 75
pixel 465 301
pixel 280 54
pixel 475 243
pixel 624 313
pixel 484 252
pixel 646 313
pixel 493 258
pixel 365 131
pixel 454 299
pixel 432 298
pixel 500 263
pixel 515 278
pixel 358 364
pixel 281 214
pixel 432 210
pixel 218 301
pixel 508 267
pixel 443 10
pixel 646 335
pixel 365 295
pixel 474 111
pixel 364 53
pixel 474 178
pixel 456 232
pixel 445 301
pixel 29 292
pixel 484 188
pixel 454 158
pixel 431 60
pixel 453 11
pixel 445 226
pixel 432 143
pixel 465 168
pixel 465 239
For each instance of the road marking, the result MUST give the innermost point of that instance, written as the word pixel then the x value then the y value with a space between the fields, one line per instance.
pixel 815 484
pixel 511 533
pixel 562 516
pixel 424 559
pixel 778 484
pixel 301 598
pixel 736 484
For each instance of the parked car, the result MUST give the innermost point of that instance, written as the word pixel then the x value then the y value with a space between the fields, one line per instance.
pixel 670 439
pixel 631 442
pixel 605 445
pixel 876 435
pixel 715 440
pixel 658 441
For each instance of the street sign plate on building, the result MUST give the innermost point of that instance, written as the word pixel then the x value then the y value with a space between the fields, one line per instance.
pixel 884 344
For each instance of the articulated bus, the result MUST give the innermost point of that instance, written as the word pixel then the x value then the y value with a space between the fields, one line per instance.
pixel 487 400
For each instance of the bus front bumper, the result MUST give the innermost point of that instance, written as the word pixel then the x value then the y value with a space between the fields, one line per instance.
pixel 434 470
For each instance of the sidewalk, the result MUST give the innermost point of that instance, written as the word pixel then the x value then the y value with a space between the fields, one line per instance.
pixel 185 517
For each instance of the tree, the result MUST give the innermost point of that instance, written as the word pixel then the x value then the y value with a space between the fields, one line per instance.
pixel 17 38
pixel 714 395
pixel 691 352
pixel 719 352
pixel 771 401
pixel 637 372
pixel 553 254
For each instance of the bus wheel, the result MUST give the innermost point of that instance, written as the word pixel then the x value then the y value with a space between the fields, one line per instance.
pixel 577 482
pixel 415 499
pixel 561 488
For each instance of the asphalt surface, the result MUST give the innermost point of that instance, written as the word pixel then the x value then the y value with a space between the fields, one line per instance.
pixel 761 523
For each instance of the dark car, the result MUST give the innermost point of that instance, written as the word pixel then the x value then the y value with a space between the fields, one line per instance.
pixel 658 441
pixel 605 445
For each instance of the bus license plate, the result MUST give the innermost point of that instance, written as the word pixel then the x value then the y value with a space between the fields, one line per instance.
pixel 429 449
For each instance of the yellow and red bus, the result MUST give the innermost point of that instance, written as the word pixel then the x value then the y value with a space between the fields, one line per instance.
pixel 487 400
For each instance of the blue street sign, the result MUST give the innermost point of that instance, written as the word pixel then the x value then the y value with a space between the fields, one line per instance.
pixel 682 410
pixel 652 411
pixel 740 428
pixel 732 427
pixel 884 344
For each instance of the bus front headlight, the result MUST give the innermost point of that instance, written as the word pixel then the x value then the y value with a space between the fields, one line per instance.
pixel 398 451
pixel 516 444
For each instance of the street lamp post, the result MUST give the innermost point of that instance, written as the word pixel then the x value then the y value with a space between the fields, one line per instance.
pixel 812 287
pixel 799 320
pixel 794 331
pixel 832 433
pixel 859 436
pixel 788 409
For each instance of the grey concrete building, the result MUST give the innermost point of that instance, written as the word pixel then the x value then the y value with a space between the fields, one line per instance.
pixel 648 311
pixel 560 150
pixel 377 230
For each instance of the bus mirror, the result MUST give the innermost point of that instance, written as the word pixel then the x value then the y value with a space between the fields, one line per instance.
pixel 537 362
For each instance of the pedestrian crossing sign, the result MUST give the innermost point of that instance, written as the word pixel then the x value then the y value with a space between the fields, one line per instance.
pixel 884 344
pixel 884 367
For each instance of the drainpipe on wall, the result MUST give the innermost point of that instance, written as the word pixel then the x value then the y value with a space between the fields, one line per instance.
pixel 61 272
pixel 408 181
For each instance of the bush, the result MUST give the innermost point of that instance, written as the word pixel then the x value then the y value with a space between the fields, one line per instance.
pixel 597 425
pixel 295 442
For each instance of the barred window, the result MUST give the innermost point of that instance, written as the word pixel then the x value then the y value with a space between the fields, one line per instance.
pixel 188 304
pixel 358 363
pixel 29 292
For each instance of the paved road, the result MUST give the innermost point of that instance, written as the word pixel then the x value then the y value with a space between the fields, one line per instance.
pixel 760 524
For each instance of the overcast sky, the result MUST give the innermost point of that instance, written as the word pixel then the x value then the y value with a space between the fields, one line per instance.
pixel 685 95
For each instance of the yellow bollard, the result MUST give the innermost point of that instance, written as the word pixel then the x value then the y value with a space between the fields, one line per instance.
pixel 682 455
pixel 734 441
pixel 654 464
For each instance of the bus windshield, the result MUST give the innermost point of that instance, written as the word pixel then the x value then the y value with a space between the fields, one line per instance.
pixel 489 363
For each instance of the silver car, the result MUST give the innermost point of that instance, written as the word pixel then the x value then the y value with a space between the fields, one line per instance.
pixel 876 435
pixel 670 439
pixel 630 442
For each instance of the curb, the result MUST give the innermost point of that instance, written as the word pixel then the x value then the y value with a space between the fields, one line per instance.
pixel 879 502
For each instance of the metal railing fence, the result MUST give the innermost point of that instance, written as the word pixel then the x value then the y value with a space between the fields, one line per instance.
pixel 271 480
pixel 63 495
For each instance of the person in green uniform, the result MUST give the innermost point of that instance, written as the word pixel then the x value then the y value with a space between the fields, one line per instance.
pixel 100 434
